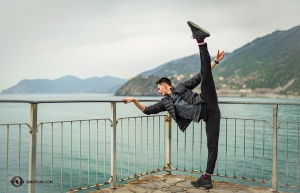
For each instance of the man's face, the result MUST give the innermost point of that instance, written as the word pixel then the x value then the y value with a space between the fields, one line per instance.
pixel 163 89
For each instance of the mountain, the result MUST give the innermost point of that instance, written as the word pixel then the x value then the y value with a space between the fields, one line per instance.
pixel 144 83
pixel 67 84
pixel 267 65
pixel 272 61
pixel 185 65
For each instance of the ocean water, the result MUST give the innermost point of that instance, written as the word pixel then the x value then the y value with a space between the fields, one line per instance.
pixel 77 154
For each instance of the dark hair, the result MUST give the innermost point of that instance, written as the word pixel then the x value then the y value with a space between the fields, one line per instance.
pixel 164 80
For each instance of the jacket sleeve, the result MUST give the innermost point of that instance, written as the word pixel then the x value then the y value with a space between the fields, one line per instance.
pixel 155 108
pixel 191 83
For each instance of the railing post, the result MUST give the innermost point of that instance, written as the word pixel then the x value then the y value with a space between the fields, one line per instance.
pixel 32 147
pixel 275 130
pixel 168 143
pixel 113 173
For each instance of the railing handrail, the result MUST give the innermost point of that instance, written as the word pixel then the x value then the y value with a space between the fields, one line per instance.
pixel 142 100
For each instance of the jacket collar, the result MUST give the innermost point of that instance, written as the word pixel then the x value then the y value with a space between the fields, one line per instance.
pixel 168 96
pixel 172 89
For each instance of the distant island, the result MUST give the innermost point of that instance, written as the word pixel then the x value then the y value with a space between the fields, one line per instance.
pixel 67 84
pixel 269 66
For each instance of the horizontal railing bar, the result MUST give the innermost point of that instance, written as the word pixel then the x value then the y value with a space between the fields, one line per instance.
pixel 288 122
pixel 137 117
pixel 143 100
pixel 3 124
pixel 259 103
pixel 68 101
pixel 78 120
pixel 246 119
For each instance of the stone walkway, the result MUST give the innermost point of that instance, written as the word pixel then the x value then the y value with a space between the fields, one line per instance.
pixel 179 184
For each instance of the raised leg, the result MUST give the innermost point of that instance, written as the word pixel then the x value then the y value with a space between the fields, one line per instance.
pixel 208 89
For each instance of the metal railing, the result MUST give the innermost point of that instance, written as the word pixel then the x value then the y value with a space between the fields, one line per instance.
pixel 145 135
pixel 69 143
pixel 241 155
pixel 82 152
pixel 291 150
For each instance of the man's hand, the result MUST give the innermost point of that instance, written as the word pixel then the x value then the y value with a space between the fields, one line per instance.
pixel 220 56
pixel 128 100
pixel 135 101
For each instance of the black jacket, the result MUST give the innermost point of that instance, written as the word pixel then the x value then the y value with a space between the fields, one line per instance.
pixel 185 91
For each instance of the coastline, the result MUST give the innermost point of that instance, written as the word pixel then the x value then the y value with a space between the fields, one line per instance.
pixel 253 95
pixel 220 94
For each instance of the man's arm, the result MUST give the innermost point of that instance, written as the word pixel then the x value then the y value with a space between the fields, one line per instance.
pixel 219 57
pixel 213 64
pixel 135 101
pixel 152 109
pixel 191 83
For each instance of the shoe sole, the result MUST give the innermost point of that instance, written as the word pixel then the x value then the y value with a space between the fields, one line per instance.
pixel 208 186
pixel 192 24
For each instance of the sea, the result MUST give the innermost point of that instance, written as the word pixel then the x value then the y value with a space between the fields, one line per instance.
pixel 77 154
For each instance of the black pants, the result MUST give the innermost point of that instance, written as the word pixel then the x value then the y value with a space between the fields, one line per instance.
pixel 210 108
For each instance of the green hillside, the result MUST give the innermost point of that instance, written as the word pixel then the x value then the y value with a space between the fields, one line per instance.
pixel 269 64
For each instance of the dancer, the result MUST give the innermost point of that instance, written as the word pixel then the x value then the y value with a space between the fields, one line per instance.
pixel 186 106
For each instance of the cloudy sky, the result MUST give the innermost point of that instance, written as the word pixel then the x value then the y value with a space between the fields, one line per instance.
pixel 51 39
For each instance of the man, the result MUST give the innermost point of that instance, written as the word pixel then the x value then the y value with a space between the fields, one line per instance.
pixel 185 106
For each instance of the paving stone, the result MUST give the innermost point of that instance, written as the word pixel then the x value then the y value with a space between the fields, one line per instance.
pixel 162 185
pixel 174 181
pixel 151 186
pixel 109 190
pixel 224 186
pixel 124 187
pixel 154 178
pixel 259 191
pixel 122 191
pixel 138 190
pixel 184 185
pixel 176 189
pixel 149 190
pixel 157 191
pixel 106 190
pixel 196 190
pixel 220 191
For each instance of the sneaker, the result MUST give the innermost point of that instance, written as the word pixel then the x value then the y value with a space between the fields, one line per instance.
pixel 202 183
pixel 197 31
